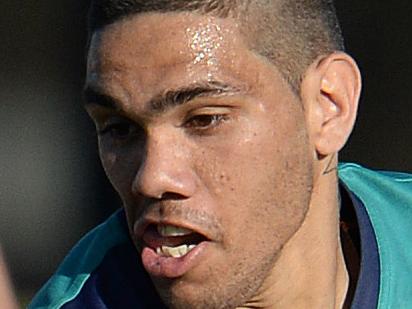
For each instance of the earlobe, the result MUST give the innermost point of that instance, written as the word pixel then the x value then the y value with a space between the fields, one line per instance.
pixel 335 90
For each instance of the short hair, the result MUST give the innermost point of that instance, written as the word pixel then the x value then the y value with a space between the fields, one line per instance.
pixel 290 33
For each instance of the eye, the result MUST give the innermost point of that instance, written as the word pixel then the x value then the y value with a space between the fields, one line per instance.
pixel 205 121
pixel 118 130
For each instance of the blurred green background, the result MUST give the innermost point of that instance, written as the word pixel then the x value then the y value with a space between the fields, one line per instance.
pixel 52 188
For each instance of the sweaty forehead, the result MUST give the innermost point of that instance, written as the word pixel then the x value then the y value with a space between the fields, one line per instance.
pixel 161 40
pixel 137 58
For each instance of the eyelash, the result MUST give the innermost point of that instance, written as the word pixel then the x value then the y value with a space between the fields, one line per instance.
pixel 210 121
pixel 114 130
pixel 202 123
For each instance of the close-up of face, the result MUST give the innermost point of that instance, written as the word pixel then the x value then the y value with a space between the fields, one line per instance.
pixel 207 146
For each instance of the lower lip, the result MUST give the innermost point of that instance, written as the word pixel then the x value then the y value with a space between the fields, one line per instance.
pixel 169 267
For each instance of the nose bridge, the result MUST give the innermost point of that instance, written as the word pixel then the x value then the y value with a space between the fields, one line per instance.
pixel 165 168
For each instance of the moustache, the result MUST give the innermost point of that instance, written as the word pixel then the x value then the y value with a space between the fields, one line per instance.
pixel 180 214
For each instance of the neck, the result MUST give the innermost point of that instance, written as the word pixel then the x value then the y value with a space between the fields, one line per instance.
pixel 311 271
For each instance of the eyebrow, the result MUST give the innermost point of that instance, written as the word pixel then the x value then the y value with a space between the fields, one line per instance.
pixel 168 99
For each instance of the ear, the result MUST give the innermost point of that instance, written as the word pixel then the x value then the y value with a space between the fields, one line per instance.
pixel 330 93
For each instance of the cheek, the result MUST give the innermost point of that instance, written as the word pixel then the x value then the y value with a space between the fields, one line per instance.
pixel 265 179
pixel 109 160
pixel 120 167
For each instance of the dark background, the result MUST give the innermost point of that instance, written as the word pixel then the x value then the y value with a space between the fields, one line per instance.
pixel 52 188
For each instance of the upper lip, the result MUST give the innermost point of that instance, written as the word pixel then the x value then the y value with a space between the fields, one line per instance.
pixel 143 223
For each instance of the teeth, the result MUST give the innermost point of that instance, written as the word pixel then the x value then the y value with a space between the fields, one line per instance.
pixel 172 231
pixel 175 252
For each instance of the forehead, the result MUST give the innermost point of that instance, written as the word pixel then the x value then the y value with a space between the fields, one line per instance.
pixel 148 53
pixel 164 40
pixel 173 31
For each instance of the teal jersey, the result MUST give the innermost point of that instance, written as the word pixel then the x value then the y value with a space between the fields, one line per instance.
pixel 387 197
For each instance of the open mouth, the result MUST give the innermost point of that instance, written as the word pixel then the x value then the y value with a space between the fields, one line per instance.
pixel 171 250
pixel 171 241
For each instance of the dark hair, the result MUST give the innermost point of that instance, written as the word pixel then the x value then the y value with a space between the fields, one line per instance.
pixel 290 33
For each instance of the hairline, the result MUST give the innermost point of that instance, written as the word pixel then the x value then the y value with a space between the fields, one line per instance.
pixel 274 45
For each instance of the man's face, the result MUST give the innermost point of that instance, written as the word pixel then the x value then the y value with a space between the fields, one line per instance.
pixel 207 147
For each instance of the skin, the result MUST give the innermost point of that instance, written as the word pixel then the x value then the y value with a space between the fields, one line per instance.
pixel 244 165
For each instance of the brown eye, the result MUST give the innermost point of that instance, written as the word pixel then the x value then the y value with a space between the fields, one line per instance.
pixel 204 121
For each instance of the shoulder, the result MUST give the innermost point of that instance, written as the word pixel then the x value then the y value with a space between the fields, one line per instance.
pixel 385 186
pixel 82 260
pixel 355 173
pixel 387 198
pixel 382 192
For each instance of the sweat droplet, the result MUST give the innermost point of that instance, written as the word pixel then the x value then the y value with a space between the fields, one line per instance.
pixel 204 41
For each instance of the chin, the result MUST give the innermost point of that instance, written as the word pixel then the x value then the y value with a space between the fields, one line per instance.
pixel 178 294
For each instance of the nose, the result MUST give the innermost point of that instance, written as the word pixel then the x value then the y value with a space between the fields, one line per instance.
pixel 165 171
